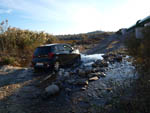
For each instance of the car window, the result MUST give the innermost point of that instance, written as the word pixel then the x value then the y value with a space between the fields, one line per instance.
pixel 55 49
pixel 60 47
pixel 42 50
pixel 67 48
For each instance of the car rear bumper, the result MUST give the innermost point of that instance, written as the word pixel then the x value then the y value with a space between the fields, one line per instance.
pixel 42 64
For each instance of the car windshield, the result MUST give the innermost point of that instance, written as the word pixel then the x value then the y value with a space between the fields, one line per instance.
pixel 42 50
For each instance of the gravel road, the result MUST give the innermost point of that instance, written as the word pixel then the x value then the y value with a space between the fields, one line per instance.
pixel 108 44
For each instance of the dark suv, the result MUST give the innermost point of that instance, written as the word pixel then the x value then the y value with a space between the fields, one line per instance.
pixel 53 56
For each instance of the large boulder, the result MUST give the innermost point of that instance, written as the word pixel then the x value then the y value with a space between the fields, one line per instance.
pixel 100 63
pixel 52 89
pixel 93 78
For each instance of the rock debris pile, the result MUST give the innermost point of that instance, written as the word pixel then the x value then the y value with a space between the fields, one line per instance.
pixel 80 77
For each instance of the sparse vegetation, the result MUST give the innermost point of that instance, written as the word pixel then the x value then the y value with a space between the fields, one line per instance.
pixel 7 60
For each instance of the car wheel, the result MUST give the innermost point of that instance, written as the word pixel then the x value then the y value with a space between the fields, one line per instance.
pixel 56 66
pixel 78 60
pixel 35 70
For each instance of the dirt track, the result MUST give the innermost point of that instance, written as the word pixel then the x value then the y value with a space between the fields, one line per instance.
pixel 17 91
pixel 108 44
pixel 20 93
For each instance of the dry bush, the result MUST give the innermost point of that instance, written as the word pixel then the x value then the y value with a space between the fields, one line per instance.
pixel 7 60
pixel 19 44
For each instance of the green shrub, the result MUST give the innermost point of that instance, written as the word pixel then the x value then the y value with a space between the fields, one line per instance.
pixel 8 60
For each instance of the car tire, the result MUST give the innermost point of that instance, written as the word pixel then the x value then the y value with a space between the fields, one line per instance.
pixel 56 66
pixel 35 70
pixel 79 60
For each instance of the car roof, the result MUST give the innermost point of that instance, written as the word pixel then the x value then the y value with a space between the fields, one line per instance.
pixel 47 45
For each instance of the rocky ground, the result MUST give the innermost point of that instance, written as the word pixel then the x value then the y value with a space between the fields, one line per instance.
pixel 93 86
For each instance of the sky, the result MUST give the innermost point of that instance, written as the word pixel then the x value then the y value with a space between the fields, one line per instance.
pixel 73 16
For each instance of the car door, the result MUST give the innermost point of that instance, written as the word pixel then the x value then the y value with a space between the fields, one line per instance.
pixel 70 56
pixel 62 54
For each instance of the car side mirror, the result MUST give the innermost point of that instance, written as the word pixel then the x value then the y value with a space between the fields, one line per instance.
pixel 72 49
pixel 76 51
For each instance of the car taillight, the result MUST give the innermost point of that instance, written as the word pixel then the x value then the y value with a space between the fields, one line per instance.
pixel 32 65
pixel 33 56
pixel 50 55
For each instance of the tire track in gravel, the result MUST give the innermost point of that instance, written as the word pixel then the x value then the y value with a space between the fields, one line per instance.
pixel 17 91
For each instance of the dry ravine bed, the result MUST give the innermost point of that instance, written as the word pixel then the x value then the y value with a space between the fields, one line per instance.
pixel 91 87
